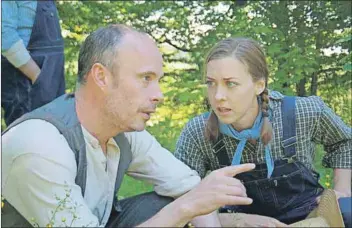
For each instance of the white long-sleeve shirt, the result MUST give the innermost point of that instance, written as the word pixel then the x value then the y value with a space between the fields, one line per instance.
pixel 39 170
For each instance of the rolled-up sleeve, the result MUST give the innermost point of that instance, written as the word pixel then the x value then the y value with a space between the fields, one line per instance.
pixel 158 166
pixel 336 138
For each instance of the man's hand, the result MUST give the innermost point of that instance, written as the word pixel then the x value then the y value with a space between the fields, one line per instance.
pixel 31 70
pixel 248 220
pixel 217 189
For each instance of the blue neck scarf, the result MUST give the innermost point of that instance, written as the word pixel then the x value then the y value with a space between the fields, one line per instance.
pixel 243 136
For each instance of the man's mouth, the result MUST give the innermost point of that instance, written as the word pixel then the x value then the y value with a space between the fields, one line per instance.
pixel 146 114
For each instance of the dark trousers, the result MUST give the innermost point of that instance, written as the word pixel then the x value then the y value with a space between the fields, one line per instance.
pixel 138 209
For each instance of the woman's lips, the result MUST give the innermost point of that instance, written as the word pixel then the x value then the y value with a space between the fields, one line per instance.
pixel 223 110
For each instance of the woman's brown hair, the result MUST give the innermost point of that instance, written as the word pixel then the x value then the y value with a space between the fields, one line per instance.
pixel 249 53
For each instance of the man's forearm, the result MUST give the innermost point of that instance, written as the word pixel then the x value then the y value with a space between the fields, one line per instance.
pixel 20 58
pixel 209 220
pixel 342 181
pixel 30 69
pixel 172 215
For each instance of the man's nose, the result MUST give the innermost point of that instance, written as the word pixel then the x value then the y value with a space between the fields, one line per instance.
pixel 157 95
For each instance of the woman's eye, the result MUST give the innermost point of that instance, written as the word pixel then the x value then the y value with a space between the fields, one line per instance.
pixel 231 84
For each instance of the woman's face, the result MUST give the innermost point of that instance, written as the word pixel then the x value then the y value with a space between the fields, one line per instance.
pixel 232 93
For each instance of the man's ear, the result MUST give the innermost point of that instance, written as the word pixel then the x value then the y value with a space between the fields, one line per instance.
pixel 99 75
pixel 259 86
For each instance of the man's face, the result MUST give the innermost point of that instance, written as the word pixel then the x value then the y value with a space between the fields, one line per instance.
pixel 133 91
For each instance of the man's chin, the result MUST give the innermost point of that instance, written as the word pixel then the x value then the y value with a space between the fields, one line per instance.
pixel 138 127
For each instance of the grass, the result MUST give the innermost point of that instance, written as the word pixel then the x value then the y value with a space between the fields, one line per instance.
pixel 326 174
pixel 131 187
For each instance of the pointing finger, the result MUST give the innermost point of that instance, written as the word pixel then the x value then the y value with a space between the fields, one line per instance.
pixel 236 169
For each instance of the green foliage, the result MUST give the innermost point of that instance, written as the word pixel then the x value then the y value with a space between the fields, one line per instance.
pixel 308 46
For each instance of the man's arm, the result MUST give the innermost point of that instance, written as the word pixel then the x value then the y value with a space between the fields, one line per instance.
pixel 38 176
pixel 217 189
pixel 154 164
pixel 170 176
pixel 12 46
pixel 31 70
pixel 209 220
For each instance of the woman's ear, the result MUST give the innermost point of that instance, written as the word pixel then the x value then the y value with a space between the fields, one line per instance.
pixel 259 86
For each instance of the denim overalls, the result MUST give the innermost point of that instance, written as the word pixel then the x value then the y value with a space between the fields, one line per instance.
pixel 289 195
pixel 46 47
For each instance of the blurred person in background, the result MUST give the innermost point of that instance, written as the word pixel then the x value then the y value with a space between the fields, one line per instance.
pixel 32 60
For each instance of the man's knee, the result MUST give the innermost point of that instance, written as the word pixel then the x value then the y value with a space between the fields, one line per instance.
pixel 138 209
pixel 156 202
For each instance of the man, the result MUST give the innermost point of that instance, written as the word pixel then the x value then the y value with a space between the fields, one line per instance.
pixel 32 61
pixel 63 163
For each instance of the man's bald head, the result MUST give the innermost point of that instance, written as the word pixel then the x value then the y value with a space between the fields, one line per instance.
pixel 101 46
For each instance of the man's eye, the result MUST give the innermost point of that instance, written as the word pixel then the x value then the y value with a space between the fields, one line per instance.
pixel 209 83
pixel 147 78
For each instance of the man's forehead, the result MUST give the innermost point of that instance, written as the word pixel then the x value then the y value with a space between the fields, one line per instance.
pixel 138 45
pixel 140 52
pixel 137 41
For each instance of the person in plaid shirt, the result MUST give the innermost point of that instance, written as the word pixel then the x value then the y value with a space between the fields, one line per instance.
pixel 250 124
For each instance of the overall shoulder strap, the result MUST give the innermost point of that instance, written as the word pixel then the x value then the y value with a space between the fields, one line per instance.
pixel 125 160
pixel 219 149
pixel 288 112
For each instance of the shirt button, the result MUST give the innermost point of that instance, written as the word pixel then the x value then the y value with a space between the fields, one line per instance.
pixel 95 145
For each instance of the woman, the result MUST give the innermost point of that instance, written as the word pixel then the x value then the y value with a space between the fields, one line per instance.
pixel 250 124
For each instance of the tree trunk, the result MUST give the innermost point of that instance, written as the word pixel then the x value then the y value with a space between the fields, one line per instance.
pixel 314 84
pixel 301 87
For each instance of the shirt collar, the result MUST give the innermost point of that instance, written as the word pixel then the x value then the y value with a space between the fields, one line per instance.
pixel 94 141
pixel 275 95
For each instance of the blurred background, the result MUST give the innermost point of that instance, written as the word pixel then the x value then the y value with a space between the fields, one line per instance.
pixel 307 43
